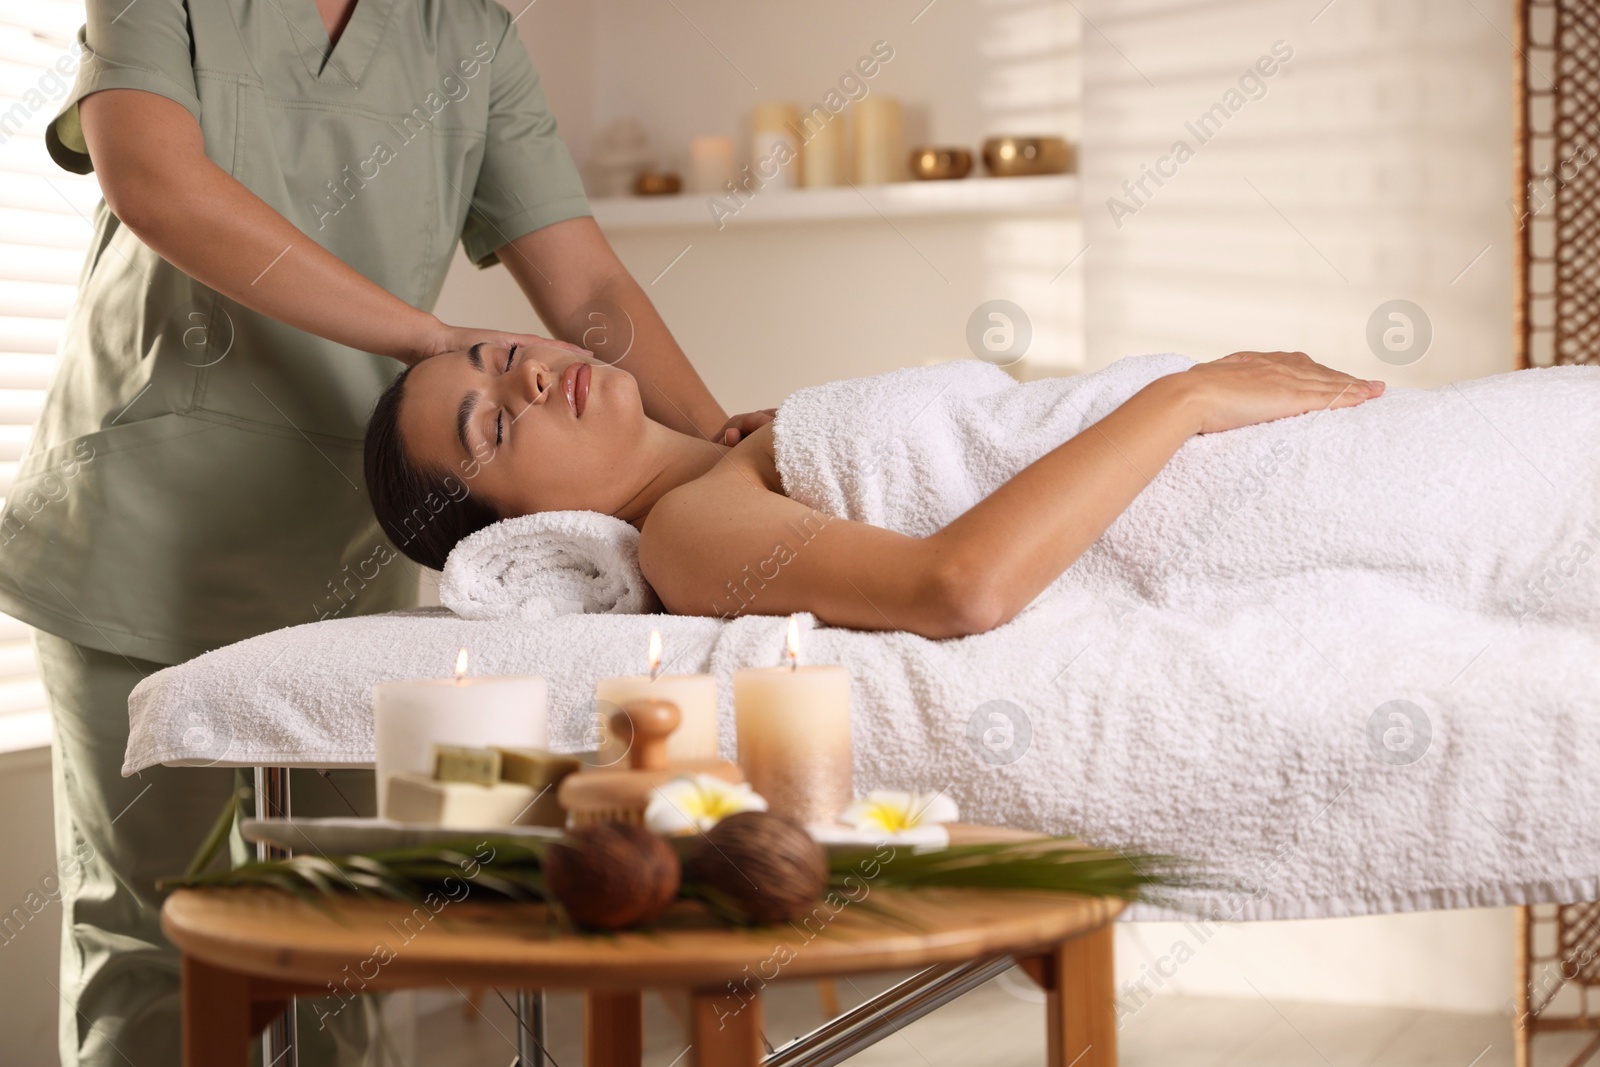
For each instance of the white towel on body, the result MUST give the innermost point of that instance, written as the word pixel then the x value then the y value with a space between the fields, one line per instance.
pixel 1462 494
pixel 1217 675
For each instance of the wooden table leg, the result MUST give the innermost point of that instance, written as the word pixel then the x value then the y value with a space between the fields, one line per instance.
pixel 1081 1012
pixel 613 1029
pixel 726 1029
pixel 1522 1020
pixel 216 1016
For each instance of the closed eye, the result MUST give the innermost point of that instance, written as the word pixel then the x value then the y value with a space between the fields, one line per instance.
pixel 511 354
pixel 499 427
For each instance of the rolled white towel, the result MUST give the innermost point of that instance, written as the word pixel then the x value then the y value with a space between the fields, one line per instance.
pixel 541 566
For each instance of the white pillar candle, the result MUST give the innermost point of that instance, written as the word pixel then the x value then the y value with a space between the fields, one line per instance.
pixel 695 695
pixel 794 736
pixel 880 141
pixel 774 145
pixel 710 164
pixel 410 717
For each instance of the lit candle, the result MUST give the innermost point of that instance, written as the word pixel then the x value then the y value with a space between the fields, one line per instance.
pixel 410 717
pixel 710 164
pixel 794 735
pixel 695 695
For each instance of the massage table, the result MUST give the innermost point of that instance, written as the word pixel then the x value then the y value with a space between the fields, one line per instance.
pixel 1283 774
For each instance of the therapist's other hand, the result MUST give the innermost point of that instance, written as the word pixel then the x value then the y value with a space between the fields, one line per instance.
pixel 739 427
pixel 445 338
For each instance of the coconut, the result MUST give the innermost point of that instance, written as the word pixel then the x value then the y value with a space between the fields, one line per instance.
pixel 612 875
pixel 763 867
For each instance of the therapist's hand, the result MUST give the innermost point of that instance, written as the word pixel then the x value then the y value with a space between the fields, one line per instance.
pixel 446 338
pixel 739 427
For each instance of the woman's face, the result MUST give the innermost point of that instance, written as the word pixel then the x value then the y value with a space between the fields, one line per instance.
pixel 529 429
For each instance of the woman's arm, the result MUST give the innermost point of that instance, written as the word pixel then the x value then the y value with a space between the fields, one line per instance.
pixel 149 155
pixel 724 546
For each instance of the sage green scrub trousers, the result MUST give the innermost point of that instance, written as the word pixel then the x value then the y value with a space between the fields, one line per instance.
pixel 125 834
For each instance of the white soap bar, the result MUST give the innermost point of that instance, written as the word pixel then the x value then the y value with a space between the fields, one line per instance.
pixel 464 805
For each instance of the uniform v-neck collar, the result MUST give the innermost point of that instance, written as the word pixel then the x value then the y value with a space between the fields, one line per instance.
pixel 347 61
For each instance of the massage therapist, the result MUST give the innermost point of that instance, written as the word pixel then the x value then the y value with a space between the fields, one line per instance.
pixel 285 183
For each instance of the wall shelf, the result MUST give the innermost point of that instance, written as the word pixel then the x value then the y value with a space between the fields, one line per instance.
pixel 1051 194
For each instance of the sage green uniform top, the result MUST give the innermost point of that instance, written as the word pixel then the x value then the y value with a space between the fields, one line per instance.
pixel 196 475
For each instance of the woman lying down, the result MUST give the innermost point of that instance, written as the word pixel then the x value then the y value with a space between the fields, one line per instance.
pixel 943 500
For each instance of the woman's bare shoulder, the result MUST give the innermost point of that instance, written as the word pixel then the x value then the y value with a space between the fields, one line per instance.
pixel 701 525
pixel 745 471
pixel 750 466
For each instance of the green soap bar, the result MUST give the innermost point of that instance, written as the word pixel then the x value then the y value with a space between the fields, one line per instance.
pixel 535 766
pixel 480 766
pixel 542 771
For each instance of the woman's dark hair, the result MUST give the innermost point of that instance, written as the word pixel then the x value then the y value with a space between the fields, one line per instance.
pixel 424 512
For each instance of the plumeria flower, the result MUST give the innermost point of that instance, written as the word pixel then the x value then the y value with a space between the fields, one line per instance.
pixel 697 802
pixel 892 812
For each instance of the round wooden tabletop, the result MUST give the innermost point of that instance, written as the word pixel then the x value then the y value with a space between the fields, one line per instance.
pixel 383 944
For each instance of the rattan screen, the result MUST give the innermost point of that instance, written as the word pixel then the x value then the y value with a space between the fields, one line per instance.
pixel 1556 202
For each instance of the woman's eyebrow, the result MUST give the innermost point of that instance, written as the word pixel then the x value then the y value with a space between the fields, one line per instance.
pixel 464 416
pixel 476 356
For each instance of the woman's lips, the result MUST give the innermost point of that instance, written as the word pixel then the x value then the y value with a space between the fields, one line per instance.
pixel 575 384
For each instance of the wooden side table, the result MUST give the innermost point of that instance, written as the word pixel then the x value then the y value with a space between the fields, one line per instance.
pixel 246 951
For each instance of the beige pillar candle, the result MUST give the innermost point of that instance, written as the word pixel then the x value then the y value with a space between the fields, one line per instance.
pixel 710 164
pixel 823 152
pixel 774 145
pixel 410 717
pixel 880 141
pixel 794 736
pixel 695 695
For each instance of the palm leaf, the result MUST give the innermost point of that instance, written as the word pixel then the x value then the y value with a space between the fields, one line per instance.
pixel 1055 864
pixel 212 845
pixel 405 875
pixel 514 870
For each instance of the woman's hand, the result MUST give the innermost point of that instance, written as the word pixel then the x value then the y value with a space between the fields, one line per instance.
pixel 1246 388
pixel 739 427
pixel 443 338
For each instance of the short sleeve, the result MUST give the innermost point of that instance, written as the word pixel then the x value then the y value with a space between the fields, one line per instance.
pixel 144 45
pixel 527 180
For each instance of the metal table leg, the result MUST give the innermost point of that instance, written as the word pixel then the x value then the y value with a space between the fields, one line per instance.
pixel 279 1039
pixel 838 1039
pixel 530 1029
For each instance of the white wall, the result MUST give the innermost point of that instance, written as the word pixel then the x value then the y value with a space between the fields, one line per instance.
pixel 1445 960
pixel 1377 166
pixel 30 952
pixel 1380 163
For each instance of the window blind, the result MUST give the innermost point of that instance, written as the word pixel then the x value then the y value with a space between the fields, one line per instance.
pixel 45 230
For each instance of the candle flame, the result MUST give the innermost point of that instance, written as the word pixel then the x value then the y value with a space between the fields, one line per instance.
pixel 461 663
pixel 792 641
pixel 655 651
